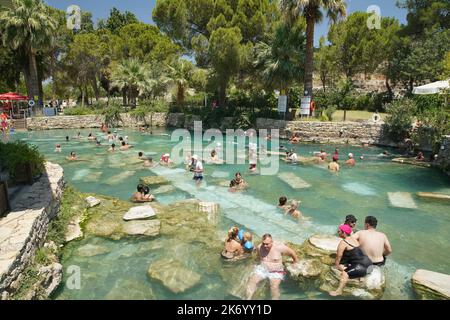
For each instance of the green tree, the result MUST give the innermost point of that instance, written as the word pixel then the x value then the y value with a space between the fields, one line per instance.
pixel 197 25
pixel 225 51
pixel 311 10
pixel 325 64
pixel 146 43
pixel 28 27
pixel 419 60
pixel 117 20
pixel 358 49
pixel 446 66
pixel 86 60
pixel 424 15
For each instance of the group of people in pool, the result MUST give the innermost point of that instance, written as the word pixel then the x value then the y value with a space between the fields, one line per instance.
pixel 237 244
pixel 112 138
pixel 356 255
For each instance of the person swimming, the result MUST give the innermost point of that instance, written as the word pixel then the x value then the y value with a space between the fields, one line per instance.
pixel 58 148
pixel 125 147
pixel 282 202
pixel 113 148
pixel 72 157
pixel 246 241
pixel 142 194
pixel 233 247
pixel 238 183
pixel 292 209
pixel 91 137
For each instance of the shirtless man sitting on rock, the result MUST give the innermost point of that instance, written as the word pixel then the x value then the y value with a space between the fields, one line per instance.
pixel 375 244
pixel 271 267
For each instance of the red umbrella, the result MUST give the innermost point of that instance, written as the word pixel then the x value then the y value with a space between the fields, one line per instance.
pixel 12 96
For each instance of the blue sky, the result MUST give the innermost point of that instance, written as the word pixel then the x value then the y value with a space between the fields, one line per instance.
pixel 143 9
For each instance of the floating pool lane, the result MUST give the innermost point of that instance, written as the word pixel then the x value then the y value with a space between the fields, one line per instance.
pixel 402 200
pixel 293 181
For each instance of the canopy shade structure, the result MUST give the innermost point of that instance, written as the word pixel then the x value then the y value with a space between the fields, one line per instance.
pixel 432 88
pixel 13 96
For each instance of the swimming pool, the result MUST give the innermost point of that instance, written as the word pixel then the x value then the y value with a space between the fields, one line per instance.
pixel 419 236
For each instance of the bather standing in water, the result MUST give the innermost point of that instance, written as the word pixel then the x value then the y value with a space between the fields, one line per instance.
pixel 113 148
pixel 270 255
pixel 198 169
pixel 351 161
pixel 333 166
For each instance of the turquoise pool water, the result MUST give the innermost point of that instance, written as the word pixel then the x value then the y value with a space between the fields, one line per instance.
pixel 419 237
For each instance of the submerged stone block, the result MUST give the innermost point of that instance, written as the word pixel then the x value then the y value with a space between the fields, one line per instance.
pixel 402 200
pixel 431 285
pixel 173 275
pixel 153 180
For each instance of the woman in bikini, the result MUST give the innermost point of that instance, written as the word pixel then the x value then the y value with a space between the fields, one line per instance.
pixel 233 246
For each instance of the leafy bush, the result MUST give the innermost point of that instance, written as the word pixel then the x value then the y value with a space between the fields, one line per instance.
pixel 112 115
pixel 329 112
pixel 15 154
pixel 429 101
pixel 435 124
pixel 398 122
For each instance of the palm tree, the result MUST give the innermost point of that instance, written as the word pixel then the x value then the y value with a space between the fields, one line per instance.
pixel 180 74
pixel 28 27
pixel 134 77
pixel 311 10
pixel 279 61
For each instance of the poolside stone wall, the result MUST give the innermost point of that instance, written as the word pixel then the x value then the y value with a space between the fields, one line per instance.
pixel 158 119
pixel 328 132
pixel 24 229
pixel 355 133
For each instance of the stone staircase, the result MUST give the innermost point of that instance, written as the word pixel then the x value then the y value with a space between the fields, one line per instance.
pixel 20 124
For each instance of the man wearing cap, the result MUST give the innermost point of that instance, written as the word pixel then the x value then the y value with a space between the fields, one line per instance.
pixel 374 243
pixel 351 161
pixel 270 254
pixel 198 169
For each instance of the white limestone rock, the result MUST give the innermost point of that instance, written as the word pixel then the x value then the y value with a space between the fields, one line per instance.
pixel 138 213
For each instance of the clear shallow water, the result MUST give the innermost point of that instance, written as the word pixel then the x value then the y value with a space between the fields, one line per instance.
pixel 420 237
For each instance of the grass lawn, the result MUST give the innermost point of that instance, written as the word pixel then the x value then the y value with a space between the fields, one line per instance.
pixel 355 115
